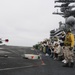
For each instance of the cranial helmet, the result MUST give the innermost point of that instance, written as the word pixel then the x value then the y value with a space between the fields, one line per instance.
pixel 68 30
pixel 63 33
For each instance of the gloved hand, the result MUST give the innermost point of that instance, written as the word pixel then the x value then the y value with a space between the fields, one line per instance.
pixel 71 48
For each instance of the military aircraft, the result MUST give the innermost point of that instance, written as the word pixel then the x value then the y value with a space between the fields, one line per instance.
pixel 1 41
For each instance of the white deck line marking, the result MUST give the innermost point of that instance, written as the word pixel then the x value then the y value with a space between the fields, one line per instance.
pixel 17 67
pixel 1 48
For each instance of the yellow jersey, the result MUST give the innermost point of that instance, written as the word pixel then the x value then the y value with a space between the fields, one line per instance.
pixel 69 39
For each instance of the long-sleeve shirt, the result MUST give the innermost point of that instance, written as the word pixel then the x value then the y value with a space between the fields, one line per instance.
pixel 69 39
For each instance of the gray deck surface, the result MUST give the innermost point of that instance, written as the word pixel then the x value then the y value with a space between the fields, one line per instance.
pixel 15 64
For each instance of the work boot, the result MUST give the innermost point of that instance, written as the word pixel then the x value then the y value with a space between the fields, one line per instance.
pixel 71 64
pixel 66 65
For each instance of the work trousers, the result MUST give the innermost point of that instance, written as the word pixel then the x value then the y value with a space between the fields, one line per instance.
pixel 68 54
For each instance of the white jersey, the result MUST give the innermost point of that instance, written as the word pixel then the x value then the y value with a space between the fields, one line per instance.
pixel 57 49
pixel 56 42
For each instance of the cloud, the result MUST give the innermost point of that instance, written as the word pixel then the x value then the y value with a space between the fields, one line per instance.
pixel 25 22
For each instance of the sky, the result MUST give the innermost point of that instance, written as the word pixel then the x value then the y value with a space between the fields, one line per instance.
pixel 27 22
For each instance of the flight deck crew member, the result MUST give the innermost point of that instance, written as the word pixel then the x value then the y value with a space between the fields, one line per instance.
pixel 62 52
pixel 69 45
